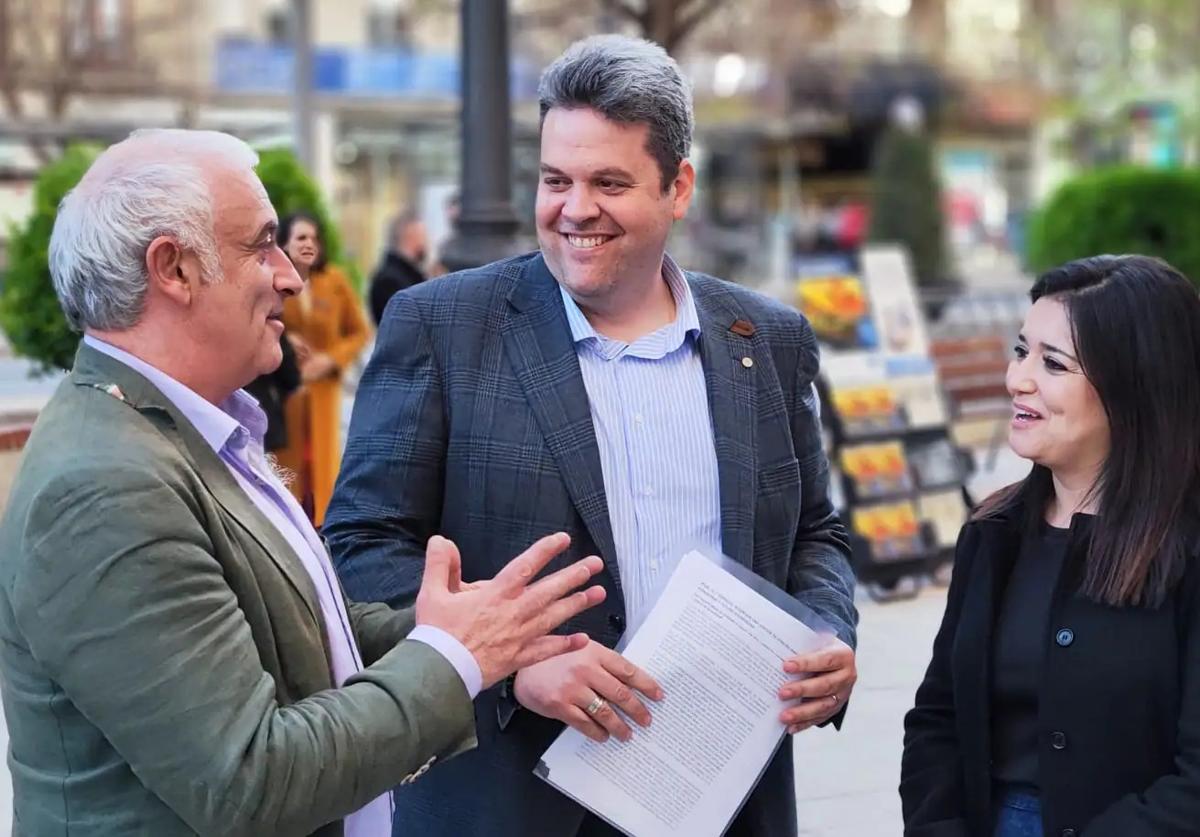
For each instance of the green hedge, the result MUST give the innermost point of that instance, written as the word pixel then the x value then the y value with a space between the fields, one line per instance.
pixel 29 311
pixel 1123 209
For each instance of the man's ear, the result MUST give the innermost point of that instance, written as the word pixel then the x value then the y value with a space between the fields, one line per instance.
pixel 685 187
pixel 172 271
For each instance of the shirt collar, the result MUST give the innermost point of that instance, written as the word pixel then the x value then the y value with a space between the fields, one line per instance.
pixel 236 420
pixel 672 335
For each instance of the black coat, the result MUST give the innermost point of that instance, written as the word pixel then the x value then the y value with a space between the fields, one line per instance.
pixel 272 391
pixel 1119 706
pixel 394 274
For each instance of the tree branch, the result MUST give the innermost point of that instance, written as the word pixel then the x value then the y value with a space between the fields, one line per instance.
pixel 689 21
pixel 623 8
pixel 542 18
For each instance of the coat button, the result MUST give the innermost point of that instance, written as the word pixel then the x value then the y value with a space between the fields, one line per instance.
pixel 1058 740
pixel 616 621
pixel 1064 637
pixel 1069 832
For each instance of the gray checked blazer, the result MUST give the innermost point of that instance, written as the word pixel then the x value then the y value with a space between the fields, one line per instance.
pixel 472 421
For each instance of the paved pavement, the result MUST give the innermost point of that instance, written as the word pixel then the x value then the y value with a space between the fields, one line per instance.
pixel 846 781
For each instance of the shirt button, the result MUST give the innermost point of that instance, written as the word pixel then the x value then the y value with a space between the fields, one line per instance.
pixel 648 491
pixel 639 418
pixel 1064 637
pixel 654 565
pixel 747 362
pixel 1058 740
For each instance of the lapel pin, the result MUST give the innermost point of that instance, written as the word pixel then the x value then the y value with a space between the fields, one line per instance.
pixel 747 362
pixel 111 389
pixel 743 327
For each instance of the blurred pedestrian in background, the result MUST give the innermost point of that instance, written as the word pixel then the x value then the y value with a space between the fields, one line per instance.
pixel 403 262
pixel 272 390
pixel 327 328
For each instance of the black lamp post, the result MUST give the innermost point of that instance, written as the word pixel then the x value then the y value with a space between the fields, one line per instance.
pixel 487 223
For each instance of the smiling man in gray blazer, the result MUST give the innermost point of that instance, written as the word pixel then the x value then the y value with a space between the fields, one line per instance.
pixel 598 388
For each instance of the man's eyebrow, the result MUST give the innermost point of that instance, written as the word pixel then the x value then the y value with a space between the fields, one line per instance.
pixel 613 172
pixel 610 172
pixel 267 230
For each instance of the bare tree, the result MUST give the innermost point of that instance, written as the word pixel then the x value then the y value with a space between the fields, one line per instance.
pixel 53 50
pixel 36 57
pixel 667 22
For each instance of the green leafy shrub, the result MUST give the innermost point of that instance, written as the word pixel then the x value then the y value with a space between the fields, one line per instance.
pixel 1123 209
pixel 29 311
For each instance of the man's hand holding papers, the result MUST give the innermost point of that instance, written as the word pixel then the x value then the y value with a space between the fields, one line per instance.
pixel 594 678
pixel 831 676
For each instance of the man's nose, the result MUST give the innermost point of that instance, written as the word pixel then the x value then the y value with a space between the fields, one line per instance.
pixel 287 280
pixel 580 205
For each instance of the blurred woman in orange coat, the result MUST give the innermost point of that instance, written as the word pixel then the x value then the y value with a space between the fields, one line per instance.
pixel 326 325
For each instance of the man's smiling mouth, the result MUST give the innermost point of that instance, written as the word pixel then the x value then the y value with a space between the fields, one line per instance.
pixel 587 242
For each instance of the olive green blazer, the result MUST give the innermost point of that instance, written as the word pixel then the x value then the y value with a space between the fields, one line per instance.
pixel 163 658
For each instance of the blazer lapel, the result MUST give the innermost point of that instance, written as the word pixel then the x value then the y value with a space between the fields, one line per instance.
pixel 732 385
pixel 96 369
pixel 238 505
pixel 537 340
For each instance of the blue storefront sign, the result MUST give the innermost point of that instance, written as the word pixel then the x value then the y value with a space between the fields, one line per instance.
pixel 252 67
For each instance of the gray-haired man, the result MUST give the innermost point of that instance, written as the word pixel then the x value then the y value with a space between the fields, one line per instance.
pixel 176 656
pixel 597 388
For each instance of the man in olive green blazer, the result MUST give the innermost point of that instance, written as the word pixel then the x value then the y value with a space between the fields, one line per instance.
pixel 170 660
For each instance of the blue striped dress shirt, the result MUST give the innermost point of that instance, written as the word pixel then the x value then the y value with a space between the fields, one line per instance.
pixel 649 407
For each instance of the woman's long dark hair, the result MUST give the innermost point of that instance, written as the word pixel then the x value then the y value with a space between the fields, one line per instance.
pixel 1135 321
pixel 284 234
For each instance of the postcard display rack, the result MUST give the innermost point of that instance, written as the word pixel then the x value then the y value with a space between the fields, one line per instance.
pixel 896 475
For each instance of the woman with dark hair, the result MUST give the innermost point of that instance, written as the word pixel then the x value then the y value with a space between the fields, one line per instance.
pixel 326 326
pixel 1063 697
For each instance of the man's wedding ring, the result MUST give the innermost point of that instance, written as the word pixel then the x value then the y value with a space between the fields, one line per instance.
pixel 595 706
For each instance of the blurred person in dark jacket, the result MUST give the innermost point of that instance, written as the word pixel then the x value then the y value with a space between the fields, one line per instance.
pixel 272 390
pixel 400 268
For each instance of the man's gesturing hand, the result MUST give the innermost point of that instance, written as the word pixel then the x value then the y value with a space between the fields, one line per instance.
pixel 504 622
